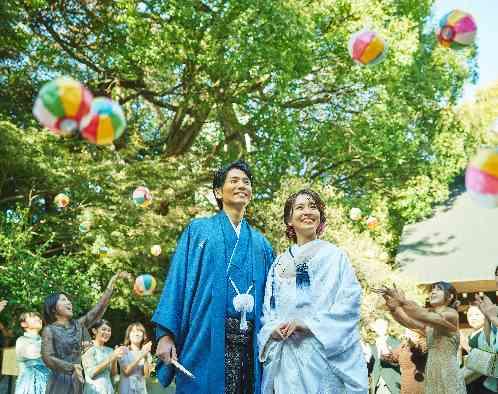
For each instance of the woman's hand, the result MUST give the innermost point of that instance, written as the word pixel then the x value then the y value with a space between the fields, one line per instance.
pixel 119 351
pixel 120 275
pixel 392 303
pixel 295 326
pixel 486 305
pixel 278 333
pixel 147 348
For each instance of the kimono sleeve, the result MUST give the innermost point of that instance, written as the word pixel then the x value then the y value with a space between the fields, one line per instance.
pixel 335 322
pixel 169 312
pixel 97 312
pixel 49 355
pixel 89 362
pixel 269 320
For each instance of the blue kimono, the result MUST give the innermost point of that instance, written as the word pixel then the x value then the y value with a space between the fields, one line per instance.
pixel 197 297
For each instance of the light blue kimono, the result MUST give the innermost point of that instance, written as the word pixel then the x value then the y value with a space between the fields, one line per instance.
pixel 316 285
pixel 197 297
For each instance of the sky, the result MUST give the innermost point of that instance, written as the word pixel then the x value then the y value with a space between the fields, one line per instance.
pixel 485 12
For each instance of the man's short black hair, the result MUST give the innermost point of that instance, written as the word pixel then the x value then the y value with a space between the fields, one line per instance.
pixel 220 176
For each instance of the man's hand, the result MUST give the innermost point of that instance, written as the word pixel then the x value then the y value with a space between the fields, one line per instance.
pixel 166 349
pixel 78 373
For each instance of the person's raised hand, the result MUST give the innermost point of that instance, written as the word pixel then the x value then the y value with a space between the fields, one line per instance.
pixel 391 303
pixel 486 306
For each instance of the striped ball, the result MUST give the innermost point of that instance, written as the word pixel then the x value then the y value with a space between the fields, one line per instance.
pixel 62 200
pixel 481 178
pixel 104 123
pixel 61 104
pixel 145 284
pixel 367 47
pixel 155 250
pixel 456 29
pixel 142 197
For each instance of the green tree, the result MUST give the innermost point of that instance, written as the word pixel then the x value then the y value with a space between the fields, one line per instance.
pixel 197 79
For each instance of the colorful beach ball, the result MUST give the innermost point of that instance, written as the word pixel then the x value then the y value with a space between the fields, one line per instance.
pixel 372 222
pixel 103 251
pixel 456 29
pixel 104 123
pixel 61 104
pixel 367 47
pixel 155 250
pixel 145 284
pixel 481 178
pixel 355 214
pixel 142 197
pixel 62 200
pixel 84 227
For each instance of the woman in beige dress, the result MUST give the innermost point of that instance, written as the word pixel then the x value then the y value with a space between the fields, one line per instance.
pixel 439 324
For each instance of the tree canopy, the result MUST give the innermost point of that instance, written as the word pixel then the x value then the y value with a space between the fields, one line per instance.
pixel 203 83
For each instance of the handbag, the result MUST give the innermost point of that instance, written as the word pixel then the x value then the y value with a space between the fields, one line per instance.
pixel 483 362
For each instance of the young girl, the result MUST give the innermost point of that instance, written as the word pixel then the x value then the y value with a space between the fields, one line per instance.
pixel 33 374
pixel 62 339
pixel 136 364
pixel 100 361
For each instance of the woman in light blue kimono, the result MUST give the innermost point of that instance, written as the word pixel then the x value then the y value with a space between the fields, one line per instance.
pixel 310 341
pixel 33 374
pixel 100 362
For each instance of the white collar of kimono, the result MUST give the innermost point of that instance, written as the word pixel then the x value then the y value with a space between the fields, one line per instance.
pixel 236 228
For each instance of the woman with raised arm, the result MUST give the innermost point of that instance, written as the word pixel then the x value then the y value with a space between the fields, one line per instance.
pixel 63 339
pixel 439 324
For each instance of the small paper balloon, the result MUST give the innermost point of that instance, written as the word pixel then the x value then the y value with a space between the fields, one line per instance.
pixel 84 227
pixel 103 251
pixel 372 222
pixel 367 47
pixel 355 214
pixel 61 104
pixel 456 29
pixel 155 250
pixel 61 200
pixel 145 284
pixel 12 216
pixel 104 123
pixel 142 197
pixel 481 178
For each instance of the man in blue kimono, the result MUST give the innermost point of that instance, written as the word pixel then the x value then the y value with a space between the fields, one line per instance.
pixel 210 308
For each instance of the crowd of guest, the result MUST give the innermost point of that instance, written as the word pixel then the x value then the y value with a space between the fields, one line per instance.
pixel 69 355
